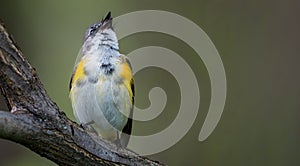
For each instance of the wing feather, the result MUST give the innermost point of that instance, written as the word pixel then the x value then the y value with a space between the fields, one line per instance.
pixel 126 132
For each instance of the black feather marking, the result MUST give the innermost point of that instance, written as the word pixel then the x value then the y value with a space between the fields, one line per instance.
pixel 71 80
pixel 128 127
pixel 107 67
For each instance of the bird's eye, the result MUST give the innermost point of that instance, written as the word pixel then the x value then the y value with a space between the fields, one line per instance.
pixel 93 29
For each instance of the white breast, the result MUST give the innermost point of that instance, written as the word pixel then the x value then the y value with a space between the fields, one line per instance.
pixel 103 102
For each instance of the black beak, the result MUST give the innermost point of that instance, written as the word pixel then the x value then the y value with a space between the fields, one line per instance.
pixel 107 21
pixel 108 16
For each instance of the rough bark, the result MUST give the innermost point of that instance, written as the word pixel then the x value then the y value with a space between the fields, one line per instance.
pixel 36 122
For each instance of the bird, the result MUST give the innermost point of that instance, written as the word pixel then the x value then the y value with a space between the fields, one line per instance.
pixel 102 85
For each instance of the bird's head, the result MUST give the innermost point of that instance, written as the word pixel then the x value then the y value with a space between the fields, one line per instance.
pixel 100 36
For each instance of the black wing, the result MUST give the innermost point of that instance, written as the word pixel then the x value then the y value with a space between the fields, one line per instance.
pixel 126 132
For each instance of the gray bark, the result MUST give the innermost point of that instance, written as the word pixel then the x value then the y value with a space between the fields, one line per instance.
pixel 36 122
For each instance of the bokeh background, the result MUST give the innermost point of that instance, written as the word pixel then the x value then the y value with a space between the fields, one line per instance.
pixel 258 41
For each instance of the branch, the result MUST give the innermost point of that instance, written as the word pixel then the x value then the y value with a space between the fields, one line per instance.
pixel 36 122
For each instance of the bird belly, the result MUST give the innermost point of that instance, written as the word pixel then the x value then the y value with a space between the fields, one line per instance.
pixel 102 103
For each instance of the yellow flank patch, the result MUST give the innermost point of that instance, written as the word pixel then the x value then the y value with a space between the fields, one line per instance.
pixel 79 72
pixel 126 74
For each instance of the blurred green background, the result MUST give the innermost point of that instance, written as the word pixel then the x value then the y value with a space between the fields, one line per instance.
pixel 258 41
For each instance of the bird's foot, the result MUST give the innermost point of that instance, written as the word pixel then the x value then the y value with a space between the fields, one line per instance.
pixel 87 126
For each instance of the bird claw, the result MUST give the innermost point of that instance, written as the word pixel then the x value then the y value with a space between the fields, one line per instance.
pixel 15 110
pixel 87 126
